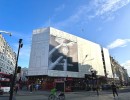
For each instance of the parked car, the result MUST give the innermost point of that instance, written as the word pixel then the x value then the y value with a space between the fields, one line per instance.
pixel 1 92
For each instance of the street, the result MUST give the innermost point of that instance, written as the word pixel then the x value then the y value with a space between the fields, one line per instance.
pixel 82 95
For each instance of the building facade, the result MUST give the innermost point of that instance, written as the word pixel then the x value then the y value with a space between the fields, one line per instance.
pixel 55 53
pixel 120 74
pixel 7 57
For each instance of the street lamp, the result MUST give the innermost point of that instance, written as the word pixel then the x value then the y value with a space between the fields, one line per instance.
pixel 5 32
pixel 15 72
pixel 84 58
pixel 87 59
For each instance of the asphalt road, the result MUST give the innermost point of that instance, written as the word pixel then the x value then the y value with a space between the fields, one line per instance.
pixel 124 94
pixel 75 96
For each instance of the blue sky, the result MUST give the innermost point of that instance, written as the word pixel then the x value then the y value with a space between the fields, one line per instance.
pixel 106 22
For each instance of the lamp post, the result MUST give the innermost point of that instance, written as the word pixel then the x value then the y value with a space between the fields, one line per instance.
pixel 15 72
pixel 84 59
pixel 5 32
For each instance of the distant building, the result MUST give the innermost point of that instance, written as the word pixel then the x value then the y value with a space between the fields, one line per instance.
pixel 24 73
pixel 126 76
pixel 119 72
pixel 7 57
pixel 21 76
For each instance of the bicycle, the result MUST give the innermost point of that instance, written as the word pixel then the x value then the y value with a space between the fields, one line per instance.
pixel 57 96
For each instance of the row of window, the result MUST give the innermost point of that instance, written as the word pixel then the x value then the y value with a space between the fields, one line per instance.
pixel 2 40
pixel 5 67
pixel 5 59
pixel 5 71
pixel 5 45
pixel 8 54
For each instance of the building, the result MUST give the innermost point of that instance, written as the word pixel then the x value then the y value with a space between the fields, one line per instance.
pixel 57 56
pixel 24 73
pixel 126 76
pixel 7 57
pixel 119 72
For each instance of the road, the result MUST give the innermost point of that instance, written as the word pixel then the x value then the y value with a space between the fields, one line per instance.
pixel 124 94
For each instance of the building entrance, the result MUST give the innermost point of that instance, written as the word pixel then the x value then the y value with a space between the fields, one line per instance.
pixel 60 86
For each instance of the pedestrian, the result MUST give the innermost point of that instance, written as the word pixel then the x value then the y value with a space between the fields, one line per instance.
pixel 31 88
pixel 114 89
pixel 34 87
pixel 27 86
pixel 21 86
pixel 97 90
pixel 37 86
pixel 16 88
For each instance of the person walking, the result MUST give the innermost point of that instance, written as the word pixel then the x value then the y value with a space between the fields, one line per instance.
pixel 114 89
pixel 16 88
pixel 31 88
pixel 37 86
pixel 97 90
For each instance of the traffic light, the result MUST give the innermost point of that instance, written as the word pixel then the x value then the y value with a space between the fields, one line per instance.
pixel 18 69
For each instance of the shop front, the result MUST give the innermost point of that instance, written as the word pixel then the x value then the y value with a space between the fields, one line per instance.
pixel 67 84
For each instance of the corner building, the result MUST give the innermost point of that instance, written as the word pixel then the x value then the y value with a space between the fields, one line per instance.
pixel 62 59
pixel 7 57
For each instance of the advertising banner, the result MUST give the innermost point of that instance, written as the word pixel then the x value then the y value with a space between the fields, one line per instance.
pixel 63 54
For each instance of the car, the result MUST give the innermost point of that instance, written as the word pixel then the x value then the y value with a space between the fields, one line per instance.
pixel 1 92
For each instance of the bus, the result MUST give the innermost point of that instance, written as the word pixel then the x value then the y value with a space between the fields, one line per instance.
pixel 5 81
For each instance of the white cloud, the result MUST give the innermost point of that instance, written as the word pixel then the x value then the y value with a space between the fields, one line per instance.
pixel 60 8
pixel 127 66
pixel 118 43
pixel 97 8
pixel 110 6
pixel 24 36
pixel 109 18
pixel 57 11
pixel 79 15
pixel 127 63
